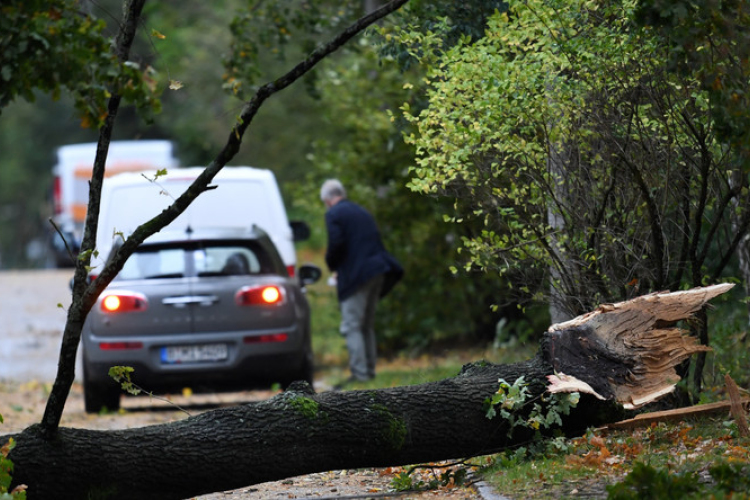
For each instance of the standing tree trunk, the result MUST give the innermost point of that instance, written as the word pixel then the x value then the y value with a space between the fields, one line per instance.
pixel 560 287
pixel 620 356
pixel 82 303
pixel 737 182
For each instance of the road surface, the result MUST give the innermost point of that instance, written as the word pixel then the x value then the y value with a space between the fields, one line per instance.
pixel 32 318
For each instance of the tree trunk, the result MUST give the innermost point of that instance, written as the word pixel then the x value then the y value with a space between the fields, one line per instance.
pixel 621 355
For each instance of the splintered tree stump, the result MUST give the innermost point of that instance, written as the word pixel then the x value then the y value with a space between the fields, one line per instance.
pixel 619 355
pixel 627 352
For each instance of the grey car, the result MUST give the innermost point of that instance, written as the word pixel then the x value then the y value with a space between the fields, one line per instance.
pixel 210 309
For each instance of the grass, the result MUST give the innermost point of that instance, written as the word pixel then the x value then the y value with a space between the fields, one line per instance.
pixel 663 455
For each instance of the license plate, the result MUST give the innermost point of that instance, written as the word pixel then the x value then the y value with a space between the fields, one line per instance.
pixel 194 353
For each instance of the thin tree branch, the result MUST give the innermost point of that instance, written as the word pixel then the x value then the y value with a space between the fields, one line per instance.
pixel 79 309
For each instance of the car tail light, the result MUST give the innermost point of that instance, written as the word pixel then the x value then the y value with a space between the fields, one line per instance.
pixel 123 302
pixel 264 339
pixel 260 295
pixel 57 195
pixel 120 346
pixel 291 270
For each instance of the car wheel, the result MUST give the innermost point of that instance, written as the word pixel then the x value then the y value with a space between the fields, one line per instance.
pixel 100 396
pixel 306 372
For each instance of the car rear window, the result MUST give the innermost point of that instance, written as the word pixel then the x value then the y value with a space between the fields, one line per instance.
pixel 222 258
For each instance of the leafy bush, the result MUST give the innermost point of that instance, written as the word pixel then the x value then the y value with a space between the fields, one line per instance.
pixel 647 483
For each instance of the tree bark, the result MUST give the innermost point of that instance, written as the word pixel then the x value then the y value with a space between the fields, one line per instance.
pixel 619 355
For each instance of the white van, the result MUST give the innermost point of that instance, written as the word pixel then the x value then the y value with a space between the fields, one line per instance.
pixel 244 196
pixel 72 174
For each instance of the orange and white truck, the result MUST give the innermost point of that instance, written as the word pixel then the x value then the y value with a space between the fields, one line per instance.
pixel 70 191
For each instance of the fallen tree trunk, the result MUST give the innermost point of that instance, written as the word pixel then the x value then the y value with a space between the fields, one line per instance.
pixel 609 355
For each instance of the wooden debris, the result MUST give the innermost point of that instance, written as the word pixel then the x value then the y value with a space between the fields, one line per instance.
pixel 738 412
pixel 646 419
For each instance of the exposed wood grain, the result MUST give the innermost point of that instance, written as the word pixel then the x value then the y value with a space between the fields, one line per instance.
pixel 738 412
pixel 629 350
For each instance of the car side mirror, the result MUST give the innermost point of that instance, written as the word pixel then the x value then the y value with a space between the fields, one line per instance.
pixel 309 274
pixel 300 230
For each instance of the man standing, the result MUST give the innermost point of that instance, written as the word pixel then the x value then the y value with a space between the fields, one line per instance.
pixel 365 272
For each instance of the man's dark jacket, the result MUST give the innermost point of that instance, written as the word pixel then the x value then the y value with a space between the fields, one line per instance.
pixel 356 251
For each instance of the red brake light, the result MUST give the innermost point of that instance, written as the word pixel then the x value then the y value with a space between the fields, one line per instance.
pixel 291 270
pixel 262 339
pixel 57 195
pixel 123 302
pixel 260 295
pixel 120 346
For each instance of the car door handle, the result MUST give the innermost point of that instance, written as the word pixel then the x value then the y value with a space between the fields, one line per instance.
pixel 185 300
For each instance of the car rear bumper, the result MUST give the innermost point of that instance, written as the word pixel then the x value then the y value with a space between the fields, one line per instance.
pixel 247 365
pixel 251 374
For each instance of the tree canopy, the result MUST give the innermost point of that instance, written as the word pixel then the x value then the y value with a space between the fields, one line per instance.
pixel 645 185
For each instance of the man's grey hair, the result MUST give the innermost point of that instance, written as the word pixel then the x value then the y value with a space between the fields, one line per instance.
pixel 332 188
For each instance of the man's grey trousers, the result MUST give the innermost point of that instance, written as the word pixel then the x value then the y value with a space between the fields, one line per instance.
pixel 358 328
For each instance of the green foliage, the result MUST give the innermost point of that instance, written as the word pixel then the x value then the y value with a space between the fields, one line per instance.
pixel 360 93
pixel 554 134
pixel 52 45
pixel 453 22
pixel 6 472
pixel 403 481
pixel 510 400
pixel 709 40
pixel 197 43
pixel 276 28
pixel 731 477
pixel 647 483
pixel 121 375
